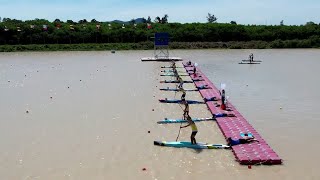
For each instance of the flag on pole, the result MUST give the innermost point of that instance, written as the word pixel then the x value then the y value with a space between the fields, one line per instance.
pixel 149 26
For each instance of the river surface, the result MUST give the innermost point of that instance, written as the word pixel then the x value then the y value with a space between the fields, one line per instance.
pixel 86 115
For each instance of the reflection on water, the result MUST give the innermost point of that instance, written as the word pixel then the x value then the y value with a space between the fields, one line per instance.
pixel 89 114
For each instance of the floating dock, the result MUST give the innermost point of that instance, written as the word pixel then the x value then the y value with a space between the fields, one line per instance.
pixel 247 154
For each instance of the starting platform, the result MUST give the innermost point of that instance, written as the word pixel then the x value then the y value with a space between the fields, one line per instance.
pixel 161 49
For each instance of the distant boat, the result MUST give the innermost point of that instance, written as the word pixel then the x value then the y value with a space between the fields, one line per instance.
pixel 113 51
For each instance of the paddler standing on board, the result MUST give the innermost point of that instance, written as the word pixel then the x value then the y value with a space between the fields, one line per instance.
pixel 193 127
pixel 173 65
pixel 186 108
pixel 183 96
pixel 251 58
pixel 180 87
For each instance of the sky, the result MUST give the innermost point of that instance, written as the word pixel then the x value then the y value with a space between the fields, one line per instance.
pixel 292 12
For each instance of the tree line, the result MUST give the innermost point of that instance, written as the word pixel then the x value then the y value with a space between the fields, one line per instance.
pixel 41 31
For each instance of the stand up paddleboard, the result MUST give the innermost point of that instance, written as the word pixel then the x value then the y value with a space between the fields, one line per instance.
pixel 251 61
pixel 168 81
pixel 218 115
pixel 168 121
pixel 161 59
pixel 248 63
pixel 182 144
pixel 173 89
pixel 179 101
pixel 174 75
pixel 170 67
pixel 170 71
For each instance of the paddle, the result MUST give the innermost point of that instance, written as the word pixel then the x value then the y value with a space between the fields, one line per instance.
pixel 180 125
pixel 179 131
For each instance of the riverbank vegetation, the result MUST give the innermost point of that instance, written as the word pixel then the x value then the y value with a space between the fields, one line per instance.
pixel 42 35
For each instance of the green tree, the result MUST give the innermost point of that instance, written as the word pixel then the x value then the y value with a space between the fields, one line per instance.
pixel 281 23
pixel 164 19
pixel 211 18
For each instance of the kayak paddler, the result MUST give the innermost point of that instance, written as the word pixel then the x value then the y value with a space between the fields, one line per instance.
pixel 193 127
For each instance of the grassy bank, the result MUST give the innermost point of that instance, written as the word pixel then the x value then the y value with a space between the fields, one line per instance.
pixel 308 43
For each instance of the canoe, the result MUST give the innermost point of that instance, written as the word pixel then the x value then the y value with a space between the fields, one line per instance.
pixel 182 144
pixel 167 121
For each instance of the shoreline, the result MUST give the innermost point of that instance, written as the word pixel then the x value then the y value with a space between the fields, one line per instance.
pixel 278 44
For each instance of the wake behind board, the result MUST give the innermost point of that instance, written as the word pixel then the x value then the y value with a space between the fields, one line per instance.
pixel 248 63
pixel 182 144
pixel 168 121
pixel 246 60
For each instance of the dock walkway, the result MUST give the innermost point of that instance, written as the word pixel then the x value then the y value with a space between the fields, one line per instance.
pixel 247 154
